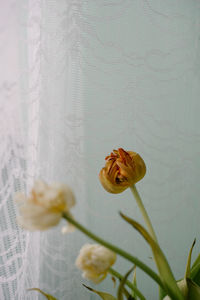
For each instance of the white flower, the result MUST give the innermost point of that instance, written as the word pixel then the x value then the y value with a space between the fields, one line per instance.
pixel 95 260
pixel 45 205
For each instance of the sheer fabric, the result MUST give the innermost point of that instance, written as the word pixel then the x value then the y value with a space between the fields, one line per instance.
pixel 77 79
pixel 42 137
pixel 18 268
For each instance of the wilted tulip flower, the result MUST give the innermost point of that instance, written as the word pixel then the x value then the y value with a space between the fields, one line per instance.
pixel 95 260
pixel 122 170
pixel 45 205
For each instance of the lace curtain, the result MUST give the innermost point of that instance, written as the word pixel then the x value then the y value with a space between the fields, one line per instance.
pixel 42 137
pixel 77 79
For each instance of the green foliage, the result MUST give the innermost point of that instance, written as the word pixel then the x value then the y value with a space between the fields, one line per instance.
pixel 195 271
pixel 193 290
pixel 134 283
pixel 195 274
pixel 122 290
pixel 48 296
pixel 104 296
pixel 187 271
pixel 160 259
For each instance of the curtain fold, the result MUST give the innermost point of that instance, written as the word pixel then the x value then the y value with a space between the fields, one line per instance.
pixel 42 137
pixel 19 269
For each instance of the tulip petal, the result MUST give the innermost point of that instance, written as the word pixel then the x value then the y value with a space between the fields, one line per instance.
pixel 44 206
pixel 122 169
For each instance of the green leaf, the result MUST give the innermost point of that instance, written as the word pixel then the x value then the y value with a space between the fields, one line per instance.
pixel 104 296
pixel 134 283
pixel 195 271
pixel 162 293
pixel 189 288
pixel 48 296
pixel 187 271
pixel 197 261
pixel 195 274
pixel 128 283
pixel 193 290
pixel 122 289
pixel 166 275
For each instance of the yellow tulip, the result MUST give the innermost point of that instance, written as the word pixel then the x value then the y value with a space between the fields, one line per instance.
pixel 122 170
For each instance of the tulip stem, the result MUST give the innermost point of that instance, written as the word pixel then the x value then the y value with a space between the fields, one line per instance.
pixel 115 249
pixel 128 283
pixel 143 211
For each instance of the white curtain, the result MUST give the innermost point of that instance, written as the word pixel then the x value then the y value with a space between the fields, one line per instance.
pixel 42 137
pixel 77 79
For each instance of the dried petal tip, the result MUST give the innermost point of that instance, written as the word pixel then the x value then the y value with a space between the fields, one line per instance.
pixel 122 169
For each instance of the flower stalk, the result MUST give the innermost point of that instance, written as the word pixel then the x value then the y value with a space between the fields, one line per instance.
pixel 143 211
pixel 117 250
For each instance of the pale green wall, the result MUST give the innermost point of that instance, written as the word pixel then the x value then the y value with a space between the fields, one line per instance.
pixel 141 71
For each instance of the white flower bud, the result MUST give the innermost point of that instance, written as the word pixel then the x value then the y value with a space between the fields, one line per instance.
pixel 95 260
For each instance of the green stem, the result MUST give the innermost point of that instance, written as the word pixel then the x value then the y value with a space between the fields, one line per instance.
pixel 117 250
pixel 143 211
pixel 128 283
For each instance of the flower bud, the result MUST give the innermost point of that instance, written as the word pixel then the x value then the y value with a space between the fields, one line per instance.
pixel 95 260
pixel 122 170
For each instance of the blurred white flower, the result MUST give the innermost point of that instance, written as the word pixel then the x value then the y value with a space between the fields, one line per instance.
pixel 45 205
pixel 95 260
